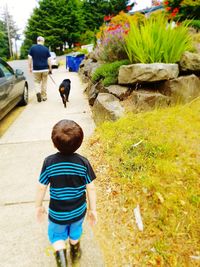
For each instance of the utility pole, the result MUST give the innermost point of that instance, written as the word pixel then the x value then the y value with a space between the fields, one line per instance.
pixel 8 30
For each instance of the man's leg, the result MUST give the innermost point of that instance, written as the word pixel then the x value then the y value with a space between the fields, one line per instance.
pixel 44 86
pixel 37 80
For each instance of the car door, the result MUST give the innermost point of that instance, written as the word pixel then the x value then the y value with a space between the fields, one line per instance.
pixel 7 79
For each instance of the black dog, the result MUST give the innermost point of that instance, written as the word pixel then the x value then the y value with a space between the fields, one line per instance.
pixel 64 90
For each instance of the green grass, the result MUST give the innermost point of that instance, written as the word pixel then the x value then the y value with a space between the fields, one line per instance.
pixel 161 174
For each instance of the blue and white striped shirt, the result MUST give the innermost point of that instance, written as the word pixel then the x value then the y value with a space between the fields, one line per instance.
pixel 67 176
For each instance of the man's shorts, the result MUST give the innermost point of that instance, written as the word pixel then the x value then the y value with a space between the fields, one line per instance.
pixel 62 232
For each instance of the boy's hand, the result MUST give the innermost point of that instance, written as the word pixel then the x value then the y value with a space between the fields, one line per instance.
pixel 40 214
pixel 92 217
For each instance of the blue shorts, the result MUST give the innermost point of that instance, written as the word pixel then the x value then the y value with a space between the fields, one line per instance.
pixel 62 232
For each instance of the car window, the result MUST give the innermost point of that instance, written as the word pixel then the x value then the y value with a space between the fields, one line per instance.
pixel 6 71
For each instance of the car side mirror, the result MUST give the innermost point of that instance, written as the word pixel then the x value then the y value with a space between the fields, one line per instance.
pixel 18 72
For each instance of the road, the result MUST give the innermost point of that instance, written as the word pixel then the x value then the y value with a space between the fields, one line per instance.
pixel 22 149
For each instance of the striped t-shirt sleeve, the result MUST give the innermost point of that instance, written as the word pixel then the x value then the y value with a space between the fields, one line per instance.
pixel 90 175
pixel 44 178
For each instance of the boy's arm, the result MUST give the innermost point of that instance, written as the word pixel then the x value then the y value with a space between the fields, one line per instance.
pixel 40 193
pixel 91 193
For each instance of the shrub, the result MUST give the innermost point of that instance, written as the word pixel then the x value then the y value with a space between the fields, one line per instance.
pixel 108 72
pixel 111 39
pixel 194 23
pixel 157 41
pixel 183 9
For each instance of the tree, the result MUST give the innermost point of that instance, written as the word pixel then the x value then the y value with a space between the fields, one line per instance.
pixel 59 21
pixel 96 10
pixel 9 31
pixel 4 47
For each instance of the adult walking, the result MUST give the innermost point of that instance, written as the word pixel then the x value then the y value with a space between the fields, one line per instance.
pixel 40 64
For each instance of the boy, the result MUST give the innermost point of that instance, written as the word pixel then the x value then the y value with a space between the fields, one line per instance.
pixel 70 175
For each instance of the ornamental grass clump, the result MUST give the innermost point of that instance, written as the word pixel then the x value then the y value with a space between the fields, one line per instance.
pixel 156 40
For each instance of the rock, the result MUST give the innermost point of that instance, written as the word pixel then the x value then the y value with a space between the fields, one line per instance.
pixel 87 68
pixel 93 90
pixel 148 100
pixel 106 108
pixel 92 94
pixel 183 89
pixel 144 73
pixel 121 92
pixel 190 62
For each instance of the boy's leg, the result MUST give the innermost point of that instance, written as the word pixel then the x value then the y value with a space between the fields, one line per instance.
pixel 57 236
pixel 75 232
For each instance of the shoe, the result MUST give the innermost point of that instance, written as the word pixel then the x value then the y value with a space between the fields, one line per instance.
pixel 75 253
pixel 39 98
pixel 44 99
pixel 61 258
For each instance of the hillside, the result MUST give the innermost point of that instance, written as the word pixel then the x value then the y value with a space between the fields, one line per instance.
pixel 151 160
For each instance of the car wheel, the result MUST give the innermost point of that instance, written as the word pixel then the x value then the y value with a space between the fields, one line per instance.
pixel 24 100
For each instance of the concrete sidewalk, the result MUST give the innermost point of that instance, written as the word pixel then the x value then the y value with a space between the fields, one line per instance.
pixel 23 147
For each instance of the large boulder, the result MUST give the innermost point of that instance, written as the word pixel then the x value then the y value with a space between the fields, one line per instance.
pixel 106 108
pixel 183 89
pixel 190 62
pixel 145 73
pixel 93 90
pixel 148 100
pixel 119 91
pixel 87 68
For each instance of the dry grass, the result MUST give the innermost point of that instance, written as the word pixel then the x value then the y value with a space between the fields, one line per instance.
pixel 161 174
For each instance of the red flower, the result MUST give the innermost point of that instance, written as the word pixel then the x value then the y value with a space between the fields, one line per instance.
pixel 168 8
pixel 175 10
pixel 128 8
pixel 107 18
pixel 166 3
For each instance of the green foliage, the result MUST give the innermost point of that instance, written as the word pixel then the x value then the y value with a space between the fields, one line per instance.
pixel 72 21
pixel 58 21
pixel 4 48
pixel 183 9
pixel 95 10
pixel 108 72
pixel 4 44
pixel 193 23
pixel 87 37
pixel 157 41
pixel 151 159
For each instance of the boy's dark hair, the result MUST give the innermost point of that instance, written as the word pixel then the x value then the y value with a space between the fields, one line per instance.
pixel 67 136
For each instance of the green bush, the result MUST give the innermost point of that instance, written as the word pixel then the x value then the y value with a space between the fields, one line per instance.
pixel 194 23
pixel 156 40
pixel 108 72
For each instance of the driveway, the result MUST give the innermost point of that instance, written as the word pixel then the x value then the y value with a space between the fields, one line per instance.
pixel 23 147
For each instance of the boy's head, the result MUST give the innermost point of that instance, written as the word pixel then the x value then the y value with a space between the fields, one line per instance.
pixel 67 136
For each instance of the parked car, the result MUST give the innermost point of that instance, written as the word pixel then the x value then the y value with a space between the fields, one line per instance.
pixel 54 61
pixel 13 88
